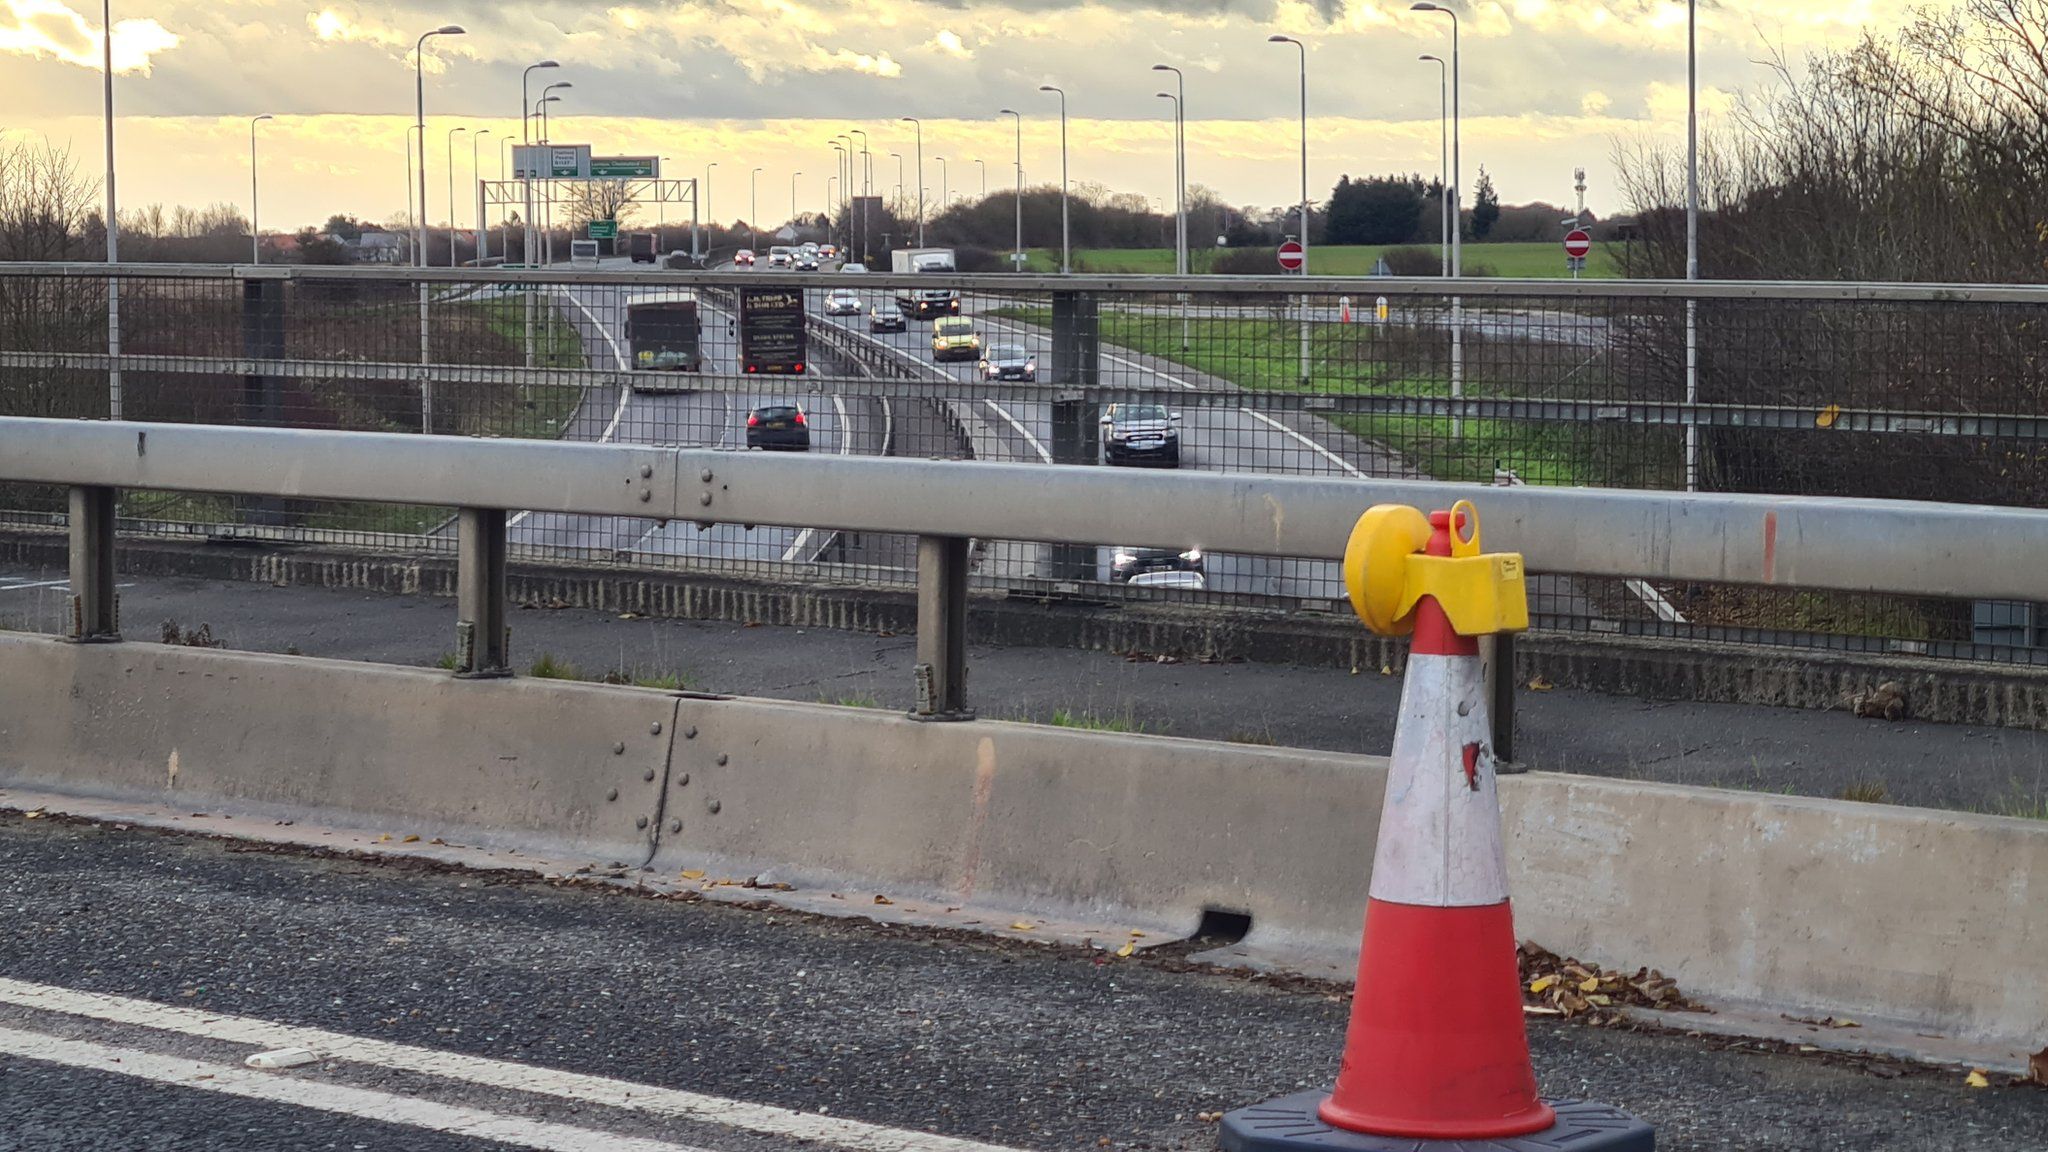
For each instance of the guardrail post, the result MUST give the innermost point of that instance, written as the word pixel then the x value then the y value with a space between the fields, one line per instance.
pixel 482 643
pixel 1498 652
pixel 95 605
pixel 1076 362
pixel 941 629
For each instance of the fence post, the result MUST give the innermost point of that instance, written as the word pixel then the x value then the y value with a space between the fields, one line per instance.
pixel 1076 365
pixel 482 643
pixel 941 629
pixel 262 339
pixel 1498 655
pixel 95 605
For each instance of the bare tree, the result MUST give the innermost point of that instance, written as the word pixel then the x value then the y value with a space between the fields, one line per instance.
pixel 598 200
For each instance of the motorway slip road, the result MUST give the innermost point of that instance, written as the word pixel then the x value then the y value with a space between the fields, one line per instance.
pixel 450 1010
pixel 1716 745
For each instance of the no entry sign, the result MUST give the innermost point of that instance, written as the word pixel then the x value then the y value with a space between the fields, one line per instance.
pixel 1577 243
pixel 1292 256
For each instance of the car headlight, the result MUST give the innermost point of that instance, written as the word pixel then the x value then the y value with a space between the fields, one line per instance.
pixel 1031 365
pixel 1122 558
pixel 1192 555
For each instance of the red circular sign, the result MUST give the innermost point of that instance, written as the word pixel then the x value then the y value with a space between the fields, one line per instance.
pixel 1292 255
pixel 1577 243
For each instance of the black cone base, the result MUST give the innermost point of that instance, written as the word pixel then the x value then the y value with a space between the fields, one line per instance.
pixel 1290 1124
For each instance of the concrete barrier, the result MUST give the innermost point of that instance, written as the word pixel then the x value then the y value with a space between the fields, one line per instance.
pixel 1930 920
pixel 539 765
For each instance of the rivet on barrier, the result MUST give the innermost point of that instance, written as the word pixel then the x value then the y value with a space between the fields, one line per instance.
pixel 1436 1056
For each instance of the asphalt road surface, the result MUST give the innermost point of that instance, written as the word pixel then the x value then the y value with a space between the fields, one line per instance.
pixel 463 1012
pixel 1715 745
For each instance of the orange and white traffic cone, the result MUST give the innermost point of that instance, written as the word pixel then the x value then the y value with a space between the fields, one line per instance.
pixel 1343 309
pixel 1436 1051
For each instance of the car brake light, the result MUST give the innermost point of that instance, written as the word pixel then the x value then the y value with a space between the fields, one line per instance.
pixel 753 420
pixel 799 419
pixel 799 368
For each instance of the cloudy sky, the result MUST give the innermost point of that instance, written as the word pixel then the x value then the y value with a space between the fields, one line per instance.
pixel 1548 85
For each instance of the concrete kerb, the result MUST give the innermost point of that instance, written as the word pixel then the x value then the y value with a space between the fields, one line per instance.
pixel 542 766
pixel 1764 903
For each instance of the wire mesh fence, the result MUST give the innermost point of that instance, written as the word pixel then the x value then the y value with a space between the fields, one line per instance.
pixel 1799 389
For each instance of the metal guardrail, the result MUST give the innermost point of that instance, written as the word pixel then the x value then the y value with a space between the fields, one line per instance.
pixel 1905 547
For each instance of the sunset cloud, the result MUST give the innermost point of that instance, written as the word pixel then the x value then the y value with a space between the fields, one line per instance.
pixel 50 29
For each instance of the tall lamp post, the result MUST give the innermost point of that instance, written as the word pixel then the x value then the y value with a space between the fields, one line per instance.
pixel 978 163
pixel 451 193
pixel 1017 257
pixel 858 229
pixel 1692 237
pixel 419 59
pixel 710 221
pixel 919 125
pixel 900 185
pixel 1443 178
pixel 1180 165
pixel 482 237
pixel 526 184
pixel 1457 223
pixel 1066 242
pixel 1303 49
pixel 255 233
pixel 754 207
pixel 114 215
pixel 841 157
pixel 792 197
pixel 546 115
pixel 945 197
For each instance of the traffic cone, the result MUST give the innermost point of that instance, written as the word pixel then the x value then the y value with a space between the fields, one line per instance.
pixel 1436 1050
pixel 1343 309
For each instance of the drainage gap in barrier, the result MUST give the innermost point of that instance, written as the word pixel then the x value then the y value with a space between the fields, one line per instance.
pixel 1220 928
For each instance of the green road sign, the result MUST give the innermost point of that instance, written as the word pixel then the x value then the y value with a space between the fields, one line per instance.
pixel 604 229
pixel 624 167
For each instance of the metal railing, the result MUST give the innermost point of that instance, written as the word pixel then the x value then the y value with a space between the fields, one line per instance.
pixel 1856 390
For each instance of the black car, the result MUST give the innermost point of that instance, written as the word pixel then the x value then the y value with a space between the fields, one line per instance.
pixel 1125 563
pixel 1009 362
pixel 1140 434
pixel 778 427
pixel 880 321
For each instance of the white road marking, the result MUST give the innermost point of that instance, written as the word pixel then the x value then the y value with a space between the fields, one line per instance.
pixel 1339 461
pixel 37 584
pixel 796 546
pixel 1037 447
pixel 603 1091
pixel 1659 607
pixel 303 1092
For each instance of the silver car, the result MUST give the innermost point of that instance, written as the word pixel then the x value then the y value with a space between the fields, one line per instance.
pixel 842 302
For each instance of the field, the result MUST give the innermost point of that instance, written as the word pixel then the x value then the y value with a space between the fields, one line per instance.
pixel 1536 261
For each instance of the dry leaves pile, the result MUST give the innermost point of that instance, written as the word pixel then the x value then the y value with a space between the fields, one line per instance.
pixel 1562 986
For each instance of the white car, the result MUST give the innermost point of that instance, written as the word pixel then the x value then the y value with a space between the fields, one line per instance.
pixel 842 302
pixel 853 267
pixel 1190 581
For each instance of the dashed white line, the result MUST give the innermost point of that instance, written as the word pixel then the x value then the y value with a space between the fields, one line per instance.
pixel 304 1092
pixel 1332 457
pixel 796 546
pixel 765 1119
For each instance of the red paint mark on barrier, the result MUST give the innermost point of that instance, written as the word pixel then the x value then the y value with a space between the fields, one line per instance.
pixel 1770 547
pixel 1472 766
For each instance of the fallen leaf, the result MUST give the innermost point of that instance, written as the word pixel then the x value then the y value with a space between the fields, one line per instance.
pixel 1976 1079
pixel 37 815
pixel 2037 1067
pixel 1542 984
pixel 1020 926
pixel 629 615
pixel 881 899
pixel 1137 935
pixel 1540 684
pixel 1540 1010
pixel 693 873
pixel 410 839
pixel 1827 416
pixel 1386 669
pixel 1589 984
pixel 384 839
pixel 1128 948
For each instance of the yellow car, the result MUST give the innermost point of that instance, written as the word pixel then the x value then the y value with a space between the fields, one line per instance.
pixel 954 338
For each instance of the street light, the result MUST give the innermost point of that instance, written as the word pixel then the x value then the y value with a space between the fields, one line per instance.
pixel 1066 243
pixel 546 100
pixel 900 185
pixel 753 206
pixel 1303 239
pixel 451 194
pixel 920 176
pixel 843 160
pixel 1180 165
pixel 792 197
pixel 1692 236
pixel 114 215
pixel 944 198
pixel 1443 131
pixel 1017 257
pixel 704 210
pixel 1457 223
pixel 525 103
pixel 867 174
pixel 984 177
pixel 482 238
pixel 255 233
pixel 419 59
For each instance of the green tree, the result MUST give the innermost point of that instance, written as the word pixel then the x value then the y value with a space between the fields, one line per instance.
pixel 1485 206
pixel 317 247
pixel 344 227
pixel 1379 210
